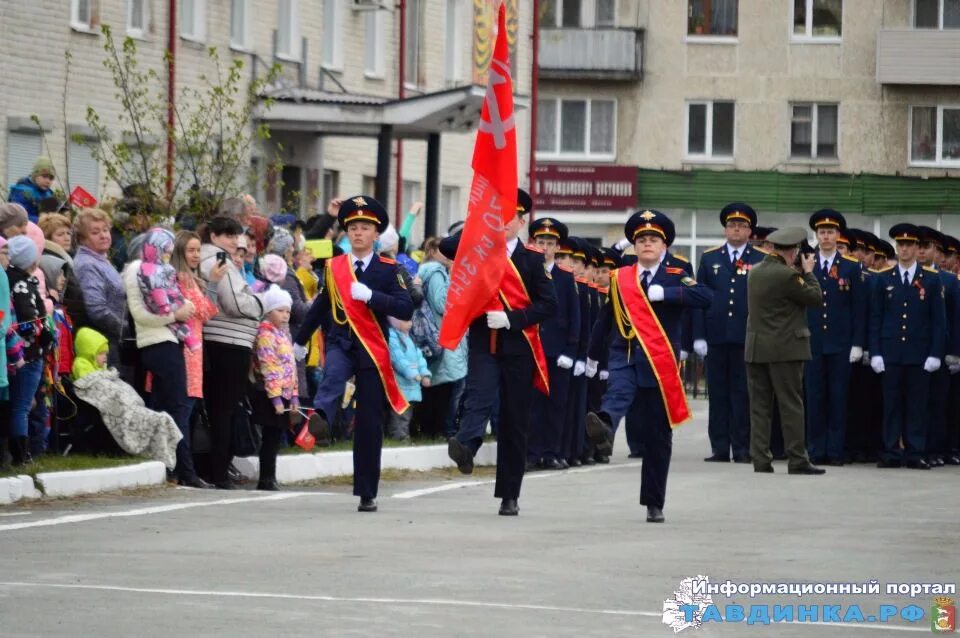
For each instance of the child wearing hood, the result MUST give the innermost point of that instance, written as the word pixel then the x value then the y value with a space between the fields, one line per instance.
pixel 158 283
pixel 90 353
pixel 412 373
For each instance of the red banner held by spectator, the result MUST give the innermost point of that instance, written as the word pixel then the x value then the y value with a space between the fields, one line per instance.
pixel 80 198
pixel 482 253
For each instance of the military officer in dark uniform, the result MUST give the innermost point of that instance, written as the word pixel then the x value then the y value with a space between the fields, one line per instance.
pixel 952 264
pixel 573 436
pixel 667 290
pixel 719 333
pixel 907 342
pixel 509 369
pixel 837 340
pixel 777 344
pixel 560 335
pixel 377 283
pixel 759 238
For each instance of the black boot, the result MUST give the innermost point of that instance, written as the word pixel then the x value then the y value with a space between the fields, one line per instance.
pixel 4 448
pixel 20 450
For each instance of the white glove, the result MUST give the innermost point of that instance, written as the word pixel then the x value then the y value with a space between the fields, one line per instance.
pixel 954 368
pixel 299 352
pixel 604 375
pixel 856 354
pixel 655 292
pixel 579 368
pixel 360 292
pixel 497 319
pixel 591 369
pixel 876 363
pixel 951 359
pixel 700 347
pixel 932 364
pixel 684 355
pixel 564 362
pixel 622 244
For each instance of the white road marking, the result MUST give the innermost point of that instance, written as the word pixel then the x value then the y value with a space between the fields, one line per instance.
pixel 424 602
pixel 8 514
pixel 157 509
pixel 527 477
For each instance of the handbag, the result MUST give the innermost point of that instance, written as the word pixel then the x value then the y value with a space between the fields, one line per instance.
pixel 201 435
pixel 246 433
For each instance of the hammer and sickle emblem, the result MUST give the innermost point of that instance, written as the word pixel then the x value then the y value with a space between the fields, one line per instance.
pixel 497 126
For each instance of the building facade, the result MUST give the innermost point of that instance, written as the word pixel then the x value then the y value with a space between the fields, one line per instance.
pixel 789 105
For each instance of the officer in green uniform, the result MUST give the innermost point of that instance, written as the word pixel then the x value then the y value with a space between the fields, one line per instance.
pixel 777 344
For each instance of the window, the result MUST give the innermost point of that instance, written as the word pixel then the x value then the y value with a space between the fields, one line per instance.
pixel 240 24
pixel 193 20
pixel 560 13
pixel 81 14
pixel 23 149
pixel 710 130
pixel 712 17
pixel 606 13
pixel 449 207
pixel 333 34
pixel 84 170
pixel 936 14
pixel 288 30
pixel 817 19
pixel 368 185
pixel 451 61
pixel 373 52
pixel 411 55
pixel 813 131
pixel 331 186
pixel 137 18
pixel 935 135
pixel 576 128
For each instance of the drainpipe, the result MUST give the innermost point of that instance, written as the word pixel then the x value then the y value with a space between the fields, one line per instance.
pixel 401 93
pixel 534 80
pixel 171 90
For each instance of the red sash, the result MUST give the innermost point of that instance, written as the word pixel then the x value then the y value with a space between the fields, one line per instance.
pixel 364 324
pixel 653 339
pixel 515 297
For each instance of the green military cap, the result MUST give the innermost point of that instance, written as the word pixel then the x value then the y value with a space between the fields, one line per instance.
pixel 787 236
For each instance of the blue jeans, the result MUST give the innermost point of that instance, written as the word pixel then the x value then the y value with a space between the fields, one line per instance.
pixel 169 394
pixel 37 426
pixel 23 387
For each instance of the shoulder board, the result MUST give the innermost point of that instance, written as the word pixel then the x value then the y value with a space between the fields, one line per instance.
pixel 533 248
pixel 929 269
pixel 387 260
pixel 881 270
pixel 581 280
pixel 710 250
pixel 761 250
pixel 593 285
pixel 849 258
pixel 680 258
pixel 563 268
pixel 674 271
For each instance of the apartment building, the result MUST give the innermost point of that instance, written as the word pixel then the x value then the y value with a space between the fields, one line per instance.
pixel 790 105
pixel 342 120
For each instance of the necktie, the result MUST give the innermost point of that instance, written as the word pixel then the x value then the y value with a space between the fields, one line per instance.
pixel 906 277
pixel 357 267
pixel 826 266
pixel 733 257
pixel 645 283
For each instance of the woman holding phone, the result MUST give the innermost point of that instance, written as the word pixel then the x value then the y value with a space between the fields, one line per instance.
pixel 228 339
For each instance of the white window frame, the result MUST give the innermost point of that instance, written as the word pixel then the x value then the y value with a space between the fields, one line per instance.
pixel 378 71
pixel 939 161
pixel 76 20
pixel 141 31
pixel 198 31
pixel 245 44
pixel 296 50
pixel 559 155
pixel 939 27
pixel 332 59
pixel 452 54
pixel 807 37
pixel 814 133
pixel 414 17
pixel 708 156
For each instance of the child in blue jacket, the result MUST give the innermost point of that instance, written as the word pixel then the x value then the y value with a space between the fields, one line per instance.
pixel 412 373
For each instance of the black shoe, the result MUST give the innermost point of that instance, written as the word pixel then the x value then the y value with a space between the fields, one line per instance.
pixel 818 460
pixel 551 464
pixel 635 455
pixel 779 457
pixel 235 475
pixel 601 458
pixel 654 515
pixel 367 505
pixel 532 466
pixel 717 459
pixel 509 507
pixel 919 464
pixel 563 464
pixel 888 464
pixel 461 455
pixel 809 470
pixel 951 460
pixel 588 461
pixel 225 485
pixel 741 459
pixel 196 482
pixel 937 462
pixel 573 463
pixel 269 485
pixel 763 469
pixel 834 462
pixel 601 435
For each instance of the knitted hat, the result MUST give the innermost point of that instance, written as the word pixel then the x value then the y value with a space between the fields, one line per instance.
pixel 274 268
pixel 23 252
pixel 389 240
pixel 12 215
pixel 275 297
pixel 280 242
pixel 36 235
pixel 42 165
pixel 51 266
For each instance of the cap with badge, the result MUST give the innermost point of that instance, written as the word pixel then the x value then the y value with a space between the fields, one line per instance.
pixel 548 227
pixel 827 218
pixel 738 211
pixel 905 232
pixel 951 245
pixel 363 208
pixel 846 237
pixel 578 248
pixel 931 236
pixel 760 233
pixel 787 236
pixel 524 202
pixel 611 258
pixel 649 222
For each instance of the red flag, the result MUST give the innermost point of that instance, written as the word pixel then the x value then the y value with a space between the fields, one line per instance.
pixel 482 255
pixel 80 198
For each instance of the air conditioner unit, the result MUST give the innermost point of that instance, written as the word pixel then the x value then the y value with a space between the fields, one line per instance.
pixel 372 5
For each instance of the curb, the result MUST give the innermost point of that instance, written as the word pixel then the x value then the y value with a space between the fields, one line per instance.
pixel 15 488
pixel 58 484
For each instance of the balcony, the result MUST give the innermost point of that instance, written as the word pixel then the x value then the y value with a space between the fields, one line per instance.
pixel 591 54
pixel 918 56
